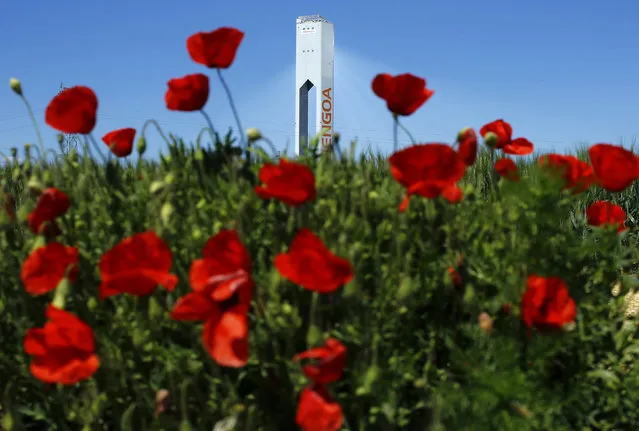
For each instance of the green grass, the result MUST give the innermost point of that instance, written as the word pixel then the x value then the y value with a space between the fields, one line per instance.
pixel 416 356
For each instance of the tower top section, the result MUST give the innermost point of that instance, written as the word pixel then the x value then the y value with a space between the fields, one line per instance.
pixel 311 18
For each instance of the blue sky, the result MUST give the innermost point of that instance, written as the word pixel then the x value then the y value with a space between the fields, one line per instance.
pixel 561 72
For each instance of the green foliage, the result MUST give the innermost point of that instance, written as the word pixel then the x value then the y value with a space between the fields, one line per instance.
pixel 417 358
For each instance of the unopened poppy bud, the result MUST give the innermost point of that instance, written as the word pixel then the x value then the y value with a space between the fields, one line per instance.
pixel 462 133
pixel 485 323
pixel 253 134
pixel 16 86
pixel 491 139
pixel 35 186
pixel 166 213
pixel 14 152
pixel 141 145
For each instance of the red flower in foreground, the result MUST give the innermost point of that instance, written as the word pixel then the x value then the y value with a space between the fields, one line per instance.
pixel 507 168
pixel 189 93
pixel 311 265
pixel 331 360
pixel 63 350
pixel 290 182
pixel 221 297
pixel 547 304
pixel 602 213
pixel 120 141
pixel 502 139
pixel 51 204
pixel 73 110
pixel 615 167
pixel 428 170
pixel 403 94
pixel 45 267
pixel 137 265
pixel 215 49
pixel 317 411
pixel 467 139
pixel 578 175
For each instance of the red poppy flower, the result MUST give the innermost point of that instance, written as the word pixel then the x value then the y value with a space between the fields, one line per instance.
pixel 467 139
pixel 317 411
pixel 428 170
pixel 615 167
pixel 503 132
pixel 331 360
pixel 290 182
pixel 73 110
pixel 578 175
pixel 51 204
pixel 45 267
pixel 120 141
pixel 137 265
pixel 311 265
pixel 63 350
pixel 547 304
pixel 215 49
pixel 455 277
pixel 403 94
pixel 507 168
pixel 221 297
pixel 602 213
pixel 189 93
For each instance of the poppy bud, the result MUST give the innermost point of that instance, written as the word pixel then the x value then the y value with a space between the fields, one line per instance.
pixel 253 134
pixel 485 323
pixel 167 212
pixel 14 152
pixel 141 145
pixel 35 186
pixel 16 86
pixel 491 139
pixel 462 132
pixel 156 187
pixel 616 289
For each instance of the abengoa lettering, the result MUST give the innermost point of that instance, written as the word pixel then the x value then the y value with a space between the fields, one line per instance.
pixel 327 117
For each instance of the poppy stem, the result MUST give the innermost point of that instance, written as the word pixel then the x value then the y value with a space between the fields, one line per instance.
pixel 35 124
pixel 395 126
pixel 97 148
pixel 405 130
pixel 157 127
pixel 234 109
pixel 210 127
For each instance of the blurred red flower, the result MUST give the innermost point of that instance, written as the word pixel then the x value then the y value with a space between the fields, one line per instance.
pixel 614 166
pixel 331 360
pixel 51 204
pixel 507 168
pixel 310 264
pixel 73 110
pixel 578 175
pixel 63 350
pixel 221 297
pixel 602 213
pixel 547 304
pixel 503 131
pixel 46 266
pixel 187 94
pixel 403 94
pixel 467 139
pixel 215 49
pixel 136 265
pixel 289 182
pixel 120 141
pixel 317 411
pixel 428 170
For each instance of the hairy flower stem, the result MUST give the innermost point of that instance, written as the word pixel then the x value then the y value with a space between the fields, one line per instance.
pixel 35 125
pixel 235 114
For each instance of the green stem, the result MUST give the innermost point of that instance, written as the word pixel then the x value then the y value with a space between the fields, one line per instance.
pixel 233 108
pixel 35 124
pixel 157 127
pixel 405 130
pixel 97 148
pixel 395 126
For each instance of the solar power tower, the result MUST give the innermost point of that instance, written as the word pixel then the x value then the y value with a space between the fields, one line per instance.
pixel 315 53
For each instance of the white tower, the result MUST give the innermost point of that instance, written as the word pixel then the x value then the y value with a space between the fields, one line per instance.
pixel 315 52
